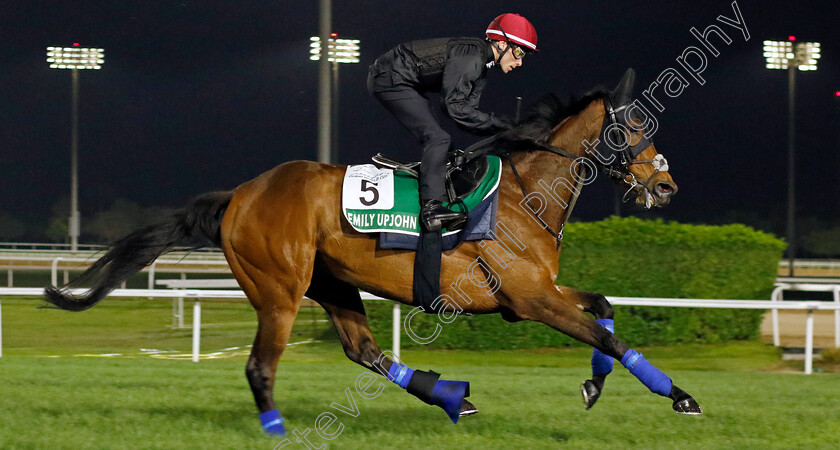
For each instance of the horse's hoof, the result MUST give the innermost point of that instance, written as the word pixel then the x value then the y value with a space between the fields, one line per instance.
pixel 687 406
pixel 272 423
pixel 450 395
pixel 590 393
pixel 467 409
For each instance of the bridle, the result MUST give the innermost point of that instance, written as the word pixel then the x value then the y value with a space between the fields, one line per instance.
pixel 615 120
pixel 618 119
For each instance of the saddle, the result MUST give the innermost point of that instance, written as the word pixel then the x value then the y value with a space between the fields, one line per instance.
pixel 463 174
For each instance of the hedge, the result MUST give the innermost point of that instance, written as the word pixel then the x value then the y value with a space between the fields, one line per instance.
pixel 631 257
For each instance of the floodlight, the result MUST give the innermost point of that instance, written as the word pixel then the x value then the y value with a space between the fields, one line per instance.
pixel 338 50
pixel 784 54
pixel 75 58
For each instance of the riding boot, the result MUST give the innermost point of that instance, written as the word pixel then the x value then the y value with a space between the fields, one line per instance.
pixel 434 216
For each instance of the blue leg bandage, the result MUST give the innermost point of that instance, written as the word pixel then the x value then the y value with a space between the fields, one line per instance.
pixel 429 388
pixel 400 374
pixel 272 423
pixel 601 363
pixel 650 376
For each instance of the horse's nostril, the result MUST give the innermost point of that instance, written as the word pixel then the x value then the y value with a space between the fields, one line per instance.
pixel 664 189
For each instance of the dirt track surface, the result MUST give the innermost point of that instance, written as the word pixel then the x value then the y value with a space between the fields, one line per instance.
pixel 792 328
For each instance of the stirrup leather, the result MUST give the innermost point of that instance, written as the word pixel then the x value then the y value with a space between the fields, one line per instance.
pixel 398 166
pixel 461 176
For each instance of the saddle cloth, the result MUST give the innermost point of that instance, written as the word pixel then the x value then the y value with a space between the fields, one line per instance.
pixel 384 201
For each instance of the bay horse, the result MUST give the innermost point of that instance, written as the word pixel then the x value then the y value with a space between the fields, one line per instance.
pixel 284 237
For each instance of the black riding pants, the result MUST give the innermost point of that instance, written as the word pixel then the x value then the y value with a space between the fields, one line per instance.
pixel 412 109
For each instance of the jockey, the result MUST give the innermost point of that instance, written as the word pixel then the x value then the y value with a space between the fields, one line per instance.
pixel 457 68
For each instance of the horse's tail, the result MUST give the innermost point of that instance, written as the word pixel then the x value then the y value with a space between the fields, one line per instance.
pixel 202 219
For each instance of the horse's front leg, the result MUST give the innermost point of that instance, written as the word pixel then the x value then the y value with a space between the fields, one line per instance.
pixel 564 309
pixel 597 305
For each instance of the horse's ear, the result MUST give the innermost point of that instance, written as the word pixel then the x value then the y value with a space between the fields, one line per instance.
pixel 623 93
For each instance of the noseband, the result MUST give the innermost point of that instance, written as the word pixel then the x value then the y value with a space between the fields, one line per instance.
pixel 616 121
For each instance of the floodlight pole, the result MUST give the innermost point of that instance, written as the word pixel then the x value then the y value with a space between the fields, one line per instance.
pixel 334 114
pixel 74 222
pixel 791 212
pixel 324 98
pixel 791 56
pixel 74 58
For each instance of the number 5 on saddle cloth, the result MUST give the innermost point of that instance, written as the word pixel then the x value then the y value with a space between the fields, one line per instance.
pixel 386 200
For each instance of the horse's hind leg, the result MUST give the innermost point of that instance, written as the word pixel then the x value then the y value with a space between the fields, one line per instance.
pixel 275 326
pixel 275 295
pixel 563 309
pixel 344 307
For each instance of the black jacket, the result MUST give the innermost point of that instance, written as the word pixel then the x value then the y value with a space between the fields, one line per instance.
pixel 456 67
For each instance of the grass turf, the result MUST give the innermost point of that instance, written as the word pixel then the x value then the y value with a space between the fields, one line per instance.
pixel 527 399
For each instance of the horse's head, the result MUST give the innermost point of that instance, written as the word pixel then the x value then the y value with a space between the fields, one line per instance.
pixel 607 129
pixel 626 151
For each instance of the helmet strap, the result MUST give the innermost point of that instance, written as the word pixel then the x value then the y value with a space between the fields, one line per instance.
pixel 500 51
pixel 507 47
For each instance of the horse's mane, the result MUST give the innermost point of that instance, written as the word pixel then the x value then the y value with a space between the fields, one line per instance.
pixel 542 116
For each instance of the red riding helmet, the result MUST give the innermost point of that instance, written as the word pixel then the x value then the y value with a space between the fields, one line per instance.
pixel 514 28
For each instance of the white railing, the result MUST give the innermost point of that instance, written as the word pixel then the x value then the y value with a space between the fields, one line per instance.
pixel 197 294
pixel 60 247
pixel 809 285
pixel 183 283
pixel 55 246
pixel 810 263
pixel 47 246
pixel 173 263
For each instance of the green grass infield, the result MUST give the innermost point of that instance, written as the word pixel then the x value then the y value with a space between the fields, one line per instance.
pixel 119 376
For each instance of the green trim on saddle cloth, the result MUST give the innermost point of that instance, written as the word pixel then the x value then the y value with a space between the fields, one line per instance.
pixel 403 216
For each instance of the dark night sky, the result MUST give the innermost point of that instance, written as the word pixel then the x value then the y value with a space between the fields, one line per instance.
pixel 196 96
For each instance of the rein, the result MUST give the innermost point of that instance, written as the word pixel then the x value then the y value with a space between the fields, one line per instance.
pixel 558 236
pixel 484 147
pixel 620 171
